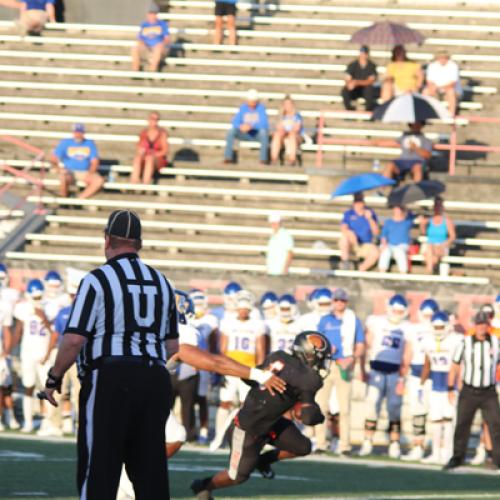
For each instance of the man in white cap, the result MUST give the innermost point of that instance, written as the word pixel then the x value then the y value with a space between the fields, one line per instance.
pixel 249 124
pixel 279 248
pixel 80 162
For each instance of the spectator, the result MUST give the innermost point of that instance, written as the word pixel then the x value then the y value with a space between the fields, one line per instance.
pixel 440 232
pixel 395 240
pixel 359 79
pixel 227 9
pixel 249 124
pixel 151 151
pixel 443 79
pixel 359 226
pixel 347 337
pixel 416 151
pixel 80 160
pixel 288 132
pixel 279 248
pixel 34 14
pixel 402 75
pixel 152 41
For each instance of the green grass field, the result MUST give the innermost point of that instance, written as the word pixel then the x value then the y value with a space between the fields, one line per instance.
pixel 40 469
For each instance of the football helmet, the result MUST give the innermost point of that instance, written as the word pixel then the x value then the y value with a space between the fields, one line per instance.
pixel 4 275
pixel 322 301
pixel 268 305
pixel 397 308
pixel 314 350
pixel 34 290
pixel 53 284
pixel 230 290
pixel 244 300
pixel 440 324
pixel 185 306
pixel 287 307
pixel 200 301
pixel 426 310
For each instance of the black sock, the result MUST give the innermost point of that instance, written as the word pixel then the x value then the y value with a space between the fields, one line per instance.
pixel 269 457
pixel 489 453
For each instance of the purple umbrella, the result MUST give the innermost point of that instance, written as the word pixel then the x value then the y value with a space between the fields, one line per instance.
pixel 386 33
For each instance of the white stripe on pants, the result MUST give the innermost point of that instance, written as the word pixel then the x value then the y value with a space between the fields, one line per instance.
pixel 89 417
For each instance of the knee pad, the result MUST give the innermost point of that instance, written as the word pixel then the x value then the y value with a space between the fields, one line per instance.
pixel 370 425
pixel 419 425
pixel 7 390
pixel 394 426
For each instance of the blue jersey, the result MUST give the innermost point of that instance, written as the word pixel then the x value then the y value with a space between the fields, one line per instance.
pixel 255 117
pixel 61 321
pixel 359 225
pixel 153 33
pixel 330 327
pixel 37 4
pixel 76 155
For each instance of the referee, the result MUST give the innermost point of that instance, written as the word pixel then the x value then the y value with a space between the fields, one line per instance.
pixel 122 327
pixel 479 355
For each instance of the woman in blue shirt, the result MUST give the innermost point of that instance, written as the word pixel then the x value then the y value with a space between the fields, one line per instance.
pixel 35 14
pixel 288 133
pixel 440 232
pixel 395 239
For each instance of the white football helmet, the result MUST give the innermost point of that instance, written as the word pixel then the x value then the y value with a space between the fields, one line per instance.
pixel 287 306
pixel 440 325
pixel 200 301
pixel 397 309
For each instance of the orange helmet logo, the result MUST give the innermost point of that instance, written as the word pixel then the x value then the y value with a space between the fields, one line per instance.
pixel 317 341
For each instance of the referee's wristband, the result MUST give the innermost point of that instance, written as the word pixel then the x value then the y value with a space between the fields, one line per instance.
pixel 53 382
pixel 451 388
pixel 260 376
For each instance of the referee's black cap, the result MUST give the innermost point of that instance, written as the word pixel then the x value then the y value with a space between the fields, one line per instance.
pixel 124 224
pixel 481 318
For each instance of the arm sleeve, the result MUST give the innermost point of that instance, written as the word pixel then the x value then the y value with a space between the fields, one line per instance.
pixel 238 119
pixel 83 315
pixel 311 413
pixel 359 333
pixel 459 352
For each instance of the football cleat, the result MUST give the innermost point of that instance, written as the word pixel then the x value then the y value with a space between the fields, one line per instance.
pixel 480 457
pixel 265 469
pixel 394 450
pixel 366 448
pixel 415 455
pixel 432 459
pixel 199 488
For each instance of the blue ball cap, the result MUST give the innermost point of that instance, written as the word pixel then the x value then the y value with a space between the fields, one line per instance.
pixel 79 127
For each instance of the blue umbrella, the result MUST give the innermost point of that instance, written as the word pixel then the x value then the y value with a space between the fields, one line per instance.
pixel 361 182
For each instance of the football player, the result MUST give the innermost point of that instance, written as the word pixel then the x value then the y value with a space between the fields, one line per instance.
pixel 260 421
pixel 320 303
pixel 269 306
pixel 244 340
pixel 54 297
pixel 439 348
pixel 207 325
pixel 34 332
pixel 414 358
pixel 7 294
pixel 284 328
pixel 385 340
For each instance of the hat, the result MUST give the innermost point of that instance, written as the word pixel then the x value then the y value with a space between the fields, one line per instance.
pixel 252 95
pixel 79 127
pixel 124 224
pixel 274 218
pixel 365 49
pixel 340 294
pixel 153 8
pixel 481 318
pixel 359 196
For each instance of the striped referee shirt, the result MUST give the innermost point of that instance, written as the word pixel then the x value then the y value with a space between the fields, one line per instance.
pixel 123 308
pixel 479 360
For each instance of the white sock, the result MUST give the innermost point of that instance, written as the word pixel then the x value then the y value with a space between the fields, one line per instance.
pixel 436 437
pixel 203 432
pixel 447 439
pixel 28 410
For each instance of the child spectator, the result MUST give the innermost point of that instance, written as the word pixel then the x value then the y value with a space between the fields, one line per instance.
pixel 395 240
pixel 227 9
pixel 416 151
pixel 249 124
pixel 34 14
pixel 152 41
pixel 151 151
pixel 402 75
pixel 443 79
pixel 80 160
pixel 288 133
pixel 358 228
pixel 440 232
pixel 360 76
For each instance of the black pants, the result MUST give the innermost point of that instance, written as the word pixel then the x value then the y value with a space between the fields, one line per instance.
pixel 367 92
pixel 123 411
pixel 246 448
pixel 187 390
pixel 469 401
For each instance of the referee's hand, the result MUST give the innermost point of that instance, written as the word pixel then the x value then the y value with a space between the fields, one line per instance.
pixel 48 395
pixel 275 384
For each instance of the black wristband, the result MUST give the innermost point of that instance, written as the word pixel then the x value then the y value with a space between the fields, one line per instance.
pixel 53 382
pixel 451 388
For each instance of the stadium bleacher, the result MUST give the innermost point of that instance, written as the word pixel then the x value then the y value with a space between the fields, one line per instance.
pixel 74 73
